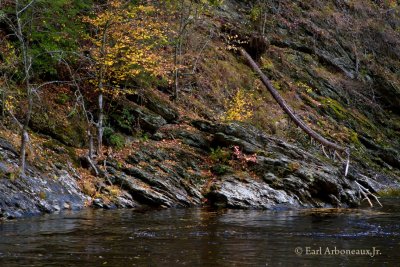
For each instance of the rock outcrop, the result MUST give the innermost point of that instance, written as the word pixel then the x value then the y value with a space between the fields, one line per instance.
pixel 175 170
pixel 35 192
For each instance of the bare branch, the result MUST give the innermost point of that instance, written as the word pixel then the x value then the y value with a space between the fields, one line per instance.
pixel 366 193
pixel 347 163
pixel 92 165
pixel 19 124
pixel 24 8
pixel 323 150
pixel 37 88
pixel 201 52
pixel 337 154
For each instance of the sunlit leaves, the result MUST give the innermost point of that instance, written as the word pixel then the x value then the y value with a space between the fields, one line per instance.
pixel 123 42
pixel 240 107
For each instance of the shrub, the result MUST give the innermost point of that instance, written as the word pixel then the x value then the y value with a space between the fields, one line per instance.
pixel 220 169
pixel 125 120
pixel 117 140
pixel 113 139
pixel 62 99
pixel 220 155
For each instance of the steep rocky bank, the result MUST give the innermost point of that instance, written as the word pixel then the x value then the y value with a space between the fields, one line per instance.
pixel 174 168
pixel 36 192
pixel 344 83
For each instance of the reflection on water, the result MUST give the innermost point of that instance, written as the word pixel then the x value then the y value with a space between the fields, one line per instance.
pixel 198 237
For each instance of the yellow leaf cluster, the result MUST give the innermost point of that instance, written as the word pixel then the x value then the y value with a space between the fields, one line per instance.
pixel 9 57
pixel 124 42
pixel 304 87
pixel 9 103
pixel 240 107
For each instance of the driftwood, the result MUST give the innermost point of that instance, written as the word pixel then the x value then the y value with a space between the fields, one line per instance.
pixel 364 192
pixel 282 103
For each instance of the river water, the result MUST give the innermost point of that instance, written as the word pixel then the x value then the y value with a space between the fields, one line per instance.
pixel 200 237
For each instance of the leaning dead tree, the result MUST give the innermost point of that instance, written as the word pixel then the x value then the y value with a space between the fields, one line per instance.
pixel 302 125
pixel 282 103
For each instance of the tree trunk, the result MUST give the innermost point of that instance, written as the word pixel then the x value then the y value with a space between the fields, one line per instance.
pixel 101 88
pixel 100 126
pixel 90 137
pixel 282 103
pixel 176 74
pixel 24 131
pixel 22 158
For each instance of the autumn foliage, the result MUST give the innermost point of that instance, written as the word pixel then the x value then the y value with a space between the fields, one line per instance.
pixel 124 43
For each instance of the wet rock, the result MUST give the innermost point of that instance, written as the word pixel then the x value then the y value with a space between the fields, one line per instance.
pixel 35 193
pixel 125 200
pixel 98 202
pixel 160 177
pixel 280 166
pixel 233 192
pixel 142 192
pixel 155 190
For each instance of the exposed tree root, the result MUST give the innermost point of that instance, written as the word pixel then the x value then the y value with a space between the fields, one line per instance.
pixel 106 173
pixel 92 165
pixel 366 193
pixel 323 150
pixel 337 155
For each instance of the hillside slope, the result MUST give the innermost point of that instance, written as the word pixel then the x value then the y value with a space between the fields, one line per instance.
pixel 214 135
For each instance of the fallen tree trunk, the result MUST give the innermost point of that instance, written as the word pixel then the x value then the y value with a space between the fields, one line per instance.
pixel 282 103
pixel 299 122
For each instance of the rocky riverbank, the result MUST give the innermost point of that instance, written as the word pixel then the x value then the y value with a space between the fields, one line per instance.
pixel 175 169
